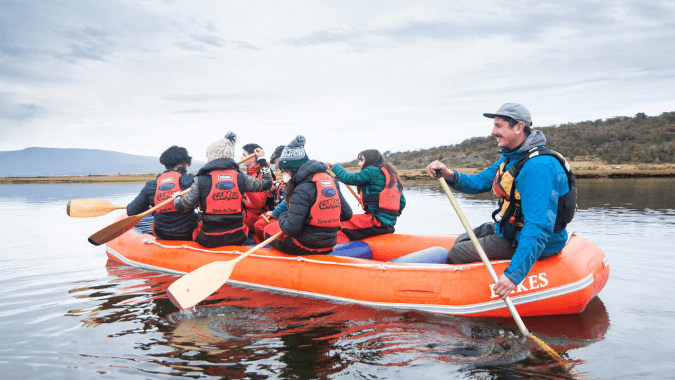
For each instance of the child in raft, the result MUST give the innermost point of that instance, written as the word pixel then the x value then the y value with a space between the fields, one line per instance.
pixel 381 194
pixel 315 205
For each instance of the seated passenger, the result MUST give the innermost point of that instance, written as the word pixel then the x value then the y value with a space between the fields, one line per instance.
pixel 275 199
pixel 255 203
pixel 218 191
pixel 381 193
pixel 168 224
pixel 315 205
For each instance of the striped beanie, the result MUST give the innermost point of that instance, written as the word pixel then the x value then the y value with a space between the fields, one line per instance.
pixel 293 155
pixel 223 148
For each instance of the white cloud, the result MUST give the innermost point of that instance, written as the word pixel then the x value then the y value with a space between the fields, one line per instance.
pixel 137 77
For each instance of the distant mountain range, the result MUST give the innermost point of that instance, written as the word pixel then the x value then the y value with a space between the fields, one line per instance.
pixel 34 162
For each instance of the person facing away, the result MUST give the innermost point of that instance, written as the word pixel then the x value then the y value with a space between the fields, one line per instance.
pixel 316 206
pixel 168 224
pixel 381 194
pixel 537 192
pixel 218 190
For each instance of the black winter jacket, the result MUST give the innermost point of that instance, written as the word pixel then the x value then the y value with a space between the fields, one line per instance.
pixel 171 224
pixel 294 221
pixel 201 187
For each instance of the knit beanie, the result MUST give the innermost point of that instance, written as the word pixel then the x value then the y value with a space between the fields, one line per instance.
pixel 223 148
pixel 293 155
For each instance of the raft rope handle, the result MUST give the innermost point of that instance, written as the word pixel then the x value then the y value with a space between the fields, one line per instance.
pixel 300 258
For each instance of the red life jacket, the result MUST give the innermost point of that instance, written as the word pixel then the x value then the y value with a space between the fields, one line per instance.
pixel 224 197
pixel 167 184
pixel 388 200
pixel 326 210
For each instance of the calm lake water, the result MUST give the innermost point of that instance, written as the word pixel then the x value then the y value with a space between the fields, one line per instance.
pixel 66 312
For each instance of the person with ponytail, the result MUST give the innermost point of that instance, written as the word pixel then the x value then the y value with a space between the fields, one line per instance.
pixel 381 193
pixel 316 206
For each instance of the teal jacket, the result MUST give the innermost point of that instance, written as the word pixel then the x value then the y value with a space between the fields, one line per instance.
pixel 373 181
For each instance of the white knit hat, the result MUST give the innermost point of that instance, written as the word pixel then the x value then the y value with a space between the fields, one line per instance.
pixel 223 148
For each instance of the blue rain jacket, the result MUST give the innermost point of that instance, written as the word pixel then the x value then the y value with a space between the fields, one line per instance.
pixel 540 183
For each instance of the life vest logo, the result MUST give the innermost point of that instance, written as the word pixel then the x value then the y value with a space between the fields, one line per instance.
pixel 161 197
pixel 226 196
pixel 329 204
pixel 165 180
pixel 293 152
pixel 167 186
pixel 225 185
pixel 223 177
pixel 328 192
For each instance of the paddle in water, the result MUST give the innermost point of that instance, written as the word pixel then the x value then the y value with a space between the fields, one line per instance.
pixel 87 208
pixel 195 286
pixel 488 265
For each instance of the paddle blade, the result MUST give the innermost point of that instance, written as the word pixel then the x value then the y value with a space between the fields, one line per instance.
pixel 195 286
pixel 86 208
pixel 114 230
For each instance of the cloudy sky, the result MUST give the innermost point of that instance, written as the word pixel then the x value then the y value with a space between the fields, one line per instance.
pixel 137 76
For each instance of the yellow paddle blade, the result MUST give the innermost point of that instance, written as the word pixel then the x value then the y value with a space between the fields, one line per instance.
pixel 550 351
pixel 195 286
pixel 114 230
pixel 86 208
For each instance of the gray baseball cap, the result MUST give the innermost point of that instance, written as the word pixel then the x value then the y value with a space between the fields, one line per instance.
pixel 516 111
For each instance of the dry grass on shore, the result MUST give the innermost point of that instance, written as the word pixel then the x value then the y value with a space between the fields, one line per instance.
pixel 582 169
pixel 94 178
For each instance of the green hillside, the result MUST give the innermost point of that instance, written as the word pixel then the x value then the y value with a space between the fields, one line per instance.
pixel 639 139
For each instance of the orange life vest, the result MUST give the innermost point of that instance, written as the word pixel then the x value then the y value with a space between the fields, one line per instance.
pixel 224 197
pixel 510 208
pixel 167 184
pixel 388 200
pixel 325 212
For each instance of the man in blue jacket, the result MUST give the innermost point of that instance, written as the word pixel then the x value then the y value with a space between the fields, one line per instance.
pixel 537 194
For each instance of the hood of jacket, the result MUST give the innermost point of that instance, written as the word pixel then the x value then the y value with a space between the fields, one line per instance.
pixel 307 170
pixel 536 138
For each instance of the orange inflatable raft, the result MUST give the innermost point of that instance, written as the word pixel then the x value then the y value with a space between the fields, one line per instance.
pixel 562 284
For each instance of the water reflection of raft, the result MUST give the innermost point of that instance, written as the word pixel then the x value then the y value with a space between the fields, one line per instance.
pixel 563 284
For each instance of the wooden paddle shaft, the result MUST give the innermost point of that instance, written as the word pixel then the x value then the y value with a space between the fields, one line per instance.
pixel 358 199
pixel 185 191
pixel 123 225
pixel 483 256
pixel 353 193
pixel 264 243
pixel 200 283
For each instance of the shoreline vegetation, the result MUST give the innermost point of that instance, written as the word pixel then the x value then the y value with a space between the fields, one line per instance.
pixel 618 147
pixel 581 169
